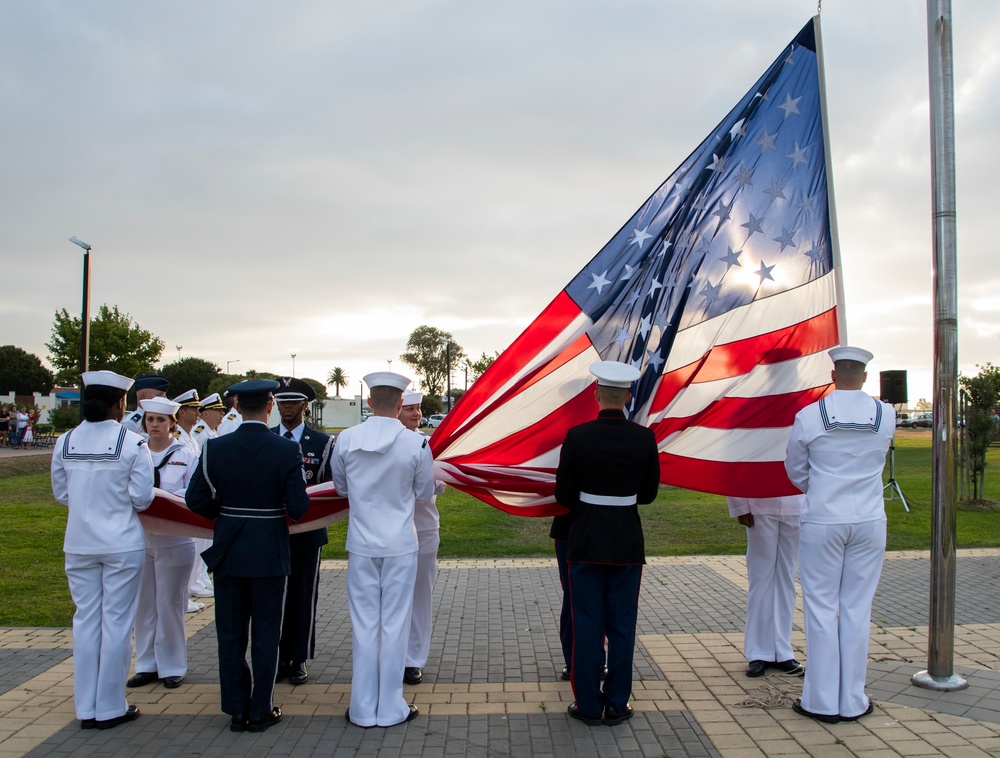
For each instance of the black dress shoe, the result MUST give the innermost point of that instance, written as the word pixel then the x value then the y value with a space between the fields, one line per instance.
pixel 238 724
pixel 88 723
pixel 822 717
pixel 142 678
pixel 868 710
pixel 130 715
pixel 574 712
pixel 756 668
pixel 791 666
pixel 259 725
pixel 298 674
pixel 284 669
pixel 613 717
pixel 412 675
pixel 412 714
pixel 566 674
pixel 172 682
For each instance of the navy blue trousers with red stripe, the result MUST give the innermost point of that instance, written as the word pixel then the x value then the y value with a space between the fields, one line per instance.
pixel 605 602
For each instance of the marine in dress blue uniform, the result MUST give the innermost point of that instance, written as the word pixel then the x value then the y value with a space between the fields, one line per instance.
pixel 606 468
pixel 298 626
pixel 247 482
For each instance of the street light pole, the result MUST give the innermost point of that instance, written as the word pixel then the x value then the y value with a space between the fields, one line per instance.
pixel 228 364
pixel 179 348
pixel 293 364
pixel 85 313
pixel 447 357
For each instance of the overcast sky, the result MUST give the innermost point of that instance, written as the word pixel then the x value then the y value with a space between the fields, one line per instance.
pixel 259 179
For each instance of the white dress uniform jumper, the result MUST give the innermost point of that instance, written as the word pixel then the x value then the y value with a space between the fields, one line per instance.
pixel 103 473
pixel 384 469
pixel 835 455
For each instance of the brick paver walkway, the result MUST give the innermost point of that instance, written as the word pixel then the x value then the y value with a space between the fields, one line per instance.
pixel 491 685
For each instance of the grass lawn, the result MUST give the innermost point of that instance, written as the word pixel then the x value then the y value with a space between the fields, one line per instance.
pixel 34 591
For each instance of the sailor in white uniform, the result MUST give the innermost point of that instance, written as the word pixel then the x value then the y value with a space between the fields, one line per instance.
pixel 187 417
pixel 146 387
pixel 211 410
pixel 427 523
pixel 160 640
pixel 835 455
pixel 230 421
pixel 384 470
pixel 772 559
pixel 103 473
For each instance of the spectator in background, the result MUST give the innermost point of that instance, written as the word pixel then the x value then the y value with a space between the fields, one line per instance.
pixel 4 425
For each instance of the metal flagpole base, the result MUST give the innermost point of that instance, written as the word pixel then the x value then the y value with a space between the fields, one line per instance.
pixel 951 683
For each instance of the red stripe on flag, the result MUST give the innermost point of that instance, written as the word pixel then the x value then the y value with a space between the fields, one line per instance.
pixel 769 411
pixel 541 437
pixel 764 479
pixel 552 321
pixel 740 357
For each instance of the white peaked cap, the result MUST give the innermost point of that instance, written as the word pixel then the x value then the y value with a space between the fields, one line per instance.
pixel 614 374
pixel 845 353
pixel 160 405
pixel 386 379
pixel 106 378
pixel 188 398
pixel 412 398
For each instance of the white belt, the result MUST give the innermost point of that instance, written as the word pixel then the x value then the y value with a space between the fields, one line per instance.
pixel 586 497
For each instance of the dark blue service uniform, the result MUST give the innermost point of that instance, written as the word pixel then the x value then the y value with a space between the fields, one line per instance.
pixel 247 481
pixel 298 627
pixel 614 461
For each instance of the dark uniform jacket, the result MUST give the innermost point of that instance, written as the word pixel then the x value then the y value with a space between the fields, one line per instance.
pixel 247 481
pixel 608 456
pixel 317 450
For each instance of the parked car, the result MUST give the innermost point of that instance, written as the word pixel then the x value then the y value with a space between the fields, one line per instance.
pixel 435 420
pixel 424 422
pixel 918 420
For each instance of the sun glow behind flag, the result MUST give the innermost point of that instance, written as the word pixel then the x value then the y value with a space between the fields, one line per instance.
pixel 721 289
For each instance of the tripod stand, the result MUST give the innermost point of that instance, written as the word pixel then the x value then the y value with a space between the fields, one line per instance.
pixel 892 485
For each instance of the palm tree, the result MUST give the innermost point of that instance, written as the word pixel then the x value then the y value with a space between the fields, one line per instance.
pixel 338 378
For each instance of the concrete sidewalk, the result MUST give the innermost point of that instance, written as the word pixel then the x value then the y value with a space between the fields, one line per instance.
pixel 491 686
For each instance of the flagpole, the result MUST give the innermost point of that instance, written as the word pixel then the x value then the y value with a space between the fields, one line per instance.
pixel 831 201
pixel 940 673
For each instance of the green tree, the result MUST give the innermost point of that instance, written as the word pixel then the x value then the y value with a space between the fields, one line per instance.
pixel 427 351
pixel 478 367
pixel 190 373
pixel 22 372
pixel 982 392
pixel 116 343
pixel 318 386
pixel 222 382
pixel 338 378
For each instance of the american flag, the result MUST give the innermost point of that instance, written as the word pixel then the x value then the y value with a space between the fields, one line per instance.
pixel 721 289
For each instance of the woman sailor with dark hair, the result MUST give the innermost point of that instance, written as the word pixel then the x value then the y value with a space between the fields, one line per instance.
pixel 103 473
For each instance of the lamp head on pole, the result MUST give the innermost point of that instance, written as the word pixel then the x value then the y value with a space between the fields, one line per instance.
pixel 80 242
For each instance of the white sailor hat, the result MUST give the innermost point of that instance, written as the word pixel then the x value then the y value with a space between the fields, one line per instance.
pixel 189 398
pixel 212 401
pixel 386 379
pixel 105 378
pixel 412 398
pixel 614 374
pixel 845 353
pixel 160 405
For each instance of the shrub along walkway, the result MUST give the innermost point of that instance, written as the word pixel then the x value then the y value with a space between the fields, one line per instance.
pixel 492 688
